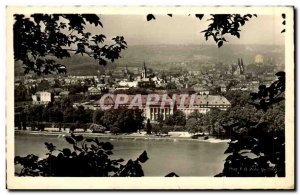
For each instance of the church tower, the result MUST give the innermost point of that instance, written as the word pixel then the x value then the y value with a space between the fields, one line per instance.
pixel 144 71
pixel 242 66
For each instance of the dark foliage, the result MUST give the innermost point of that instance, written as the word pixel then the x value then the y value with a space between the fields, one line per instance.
pixel 88 158
pixel 256 149
pixel 22 93
pixel 283 22
pixel 267 96
pixel 150 17
pixel 162 129
pixel 122 120
pixel 172 174
pixel 222 24
pixel 41 39
pixel 177 118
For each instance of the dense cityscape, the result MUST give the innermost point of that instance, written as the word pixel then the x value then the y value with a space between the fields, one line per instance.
pixel 64 102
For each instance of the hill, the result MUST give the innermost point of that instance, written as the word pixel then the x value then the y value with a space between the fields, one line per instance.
pixel 191 57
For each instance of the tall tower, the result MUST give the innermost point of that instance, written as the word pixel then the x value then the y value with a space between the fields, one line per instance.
pixel 144 71
pixel 242 66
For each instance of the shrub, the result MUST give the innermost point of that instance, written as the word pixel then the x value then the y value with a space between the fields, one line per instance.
pixel 179 128
pixel 97 128
pixel 161 129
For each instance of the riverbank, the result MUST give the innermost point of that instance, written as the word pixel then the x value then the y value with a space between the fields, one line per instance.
pixel 172 136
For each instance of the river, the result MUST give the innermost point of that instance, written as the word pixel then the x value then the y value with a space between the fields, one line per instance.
pixel 184 157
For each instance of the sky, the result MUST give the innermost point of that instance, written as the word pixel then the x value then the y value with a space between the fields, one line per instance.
pixel 184 29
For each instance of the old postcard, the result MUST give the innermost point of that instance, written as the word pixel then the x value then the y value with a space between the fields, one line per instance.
pixel 167 98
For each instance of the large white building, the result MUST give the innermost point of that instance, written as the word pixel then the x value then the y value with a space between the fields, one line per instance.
pixel 94 90
pixel 187 104
pixel 128 83
pixel 259 59
pixel 41 98
pixel 202 104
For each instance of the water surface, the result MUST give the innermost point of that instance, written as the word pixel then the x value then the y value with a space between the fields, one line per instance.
pixel 186 158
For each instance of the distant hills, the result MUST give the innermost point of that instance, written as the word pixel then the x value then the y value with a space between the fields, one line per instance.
pixel 191 57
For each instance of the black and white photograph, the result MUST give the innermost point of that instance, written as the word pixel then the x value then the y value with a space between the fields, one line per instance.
pixel 186 97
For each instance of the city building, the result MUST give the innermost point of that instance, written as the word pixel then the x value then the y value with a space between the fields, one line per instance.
pixel 201 103
pixel 42 98
pixel 223 88
pixel 128 83
pixel 259 59
pixel 96 90
pixel 164 108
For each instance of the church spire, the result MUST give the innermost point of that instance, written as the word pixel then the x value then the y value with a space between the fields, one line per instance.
pixel 144 70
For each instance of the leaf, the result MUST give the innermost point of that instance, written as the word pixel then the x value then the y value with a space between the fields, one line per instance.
pixel 262 87
pixel 73 135
pixel 100 152
pixel 242 22
pixel 220 43
pixel 169 15
pixel 99 38
pixel 283 22
pixel 74 154
pixel 89 140
pixel 80 48
pixel 79 138
pixel 228 150
pixel 93 147
pixel 219 175
pixel 283 31
pixel 50 146
pixel 102 62
pixel 283 16
pixel 120 160
pixel 77 148
pixel 199 16
pixel 172 174
pixel 37 17
pixel 92 19
pixel 143 157
pixel 107 146
pixel 66 152
pixel 60 156
pixel 280 74
pixel 254 96
pixel 150 17
pixel 70 140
